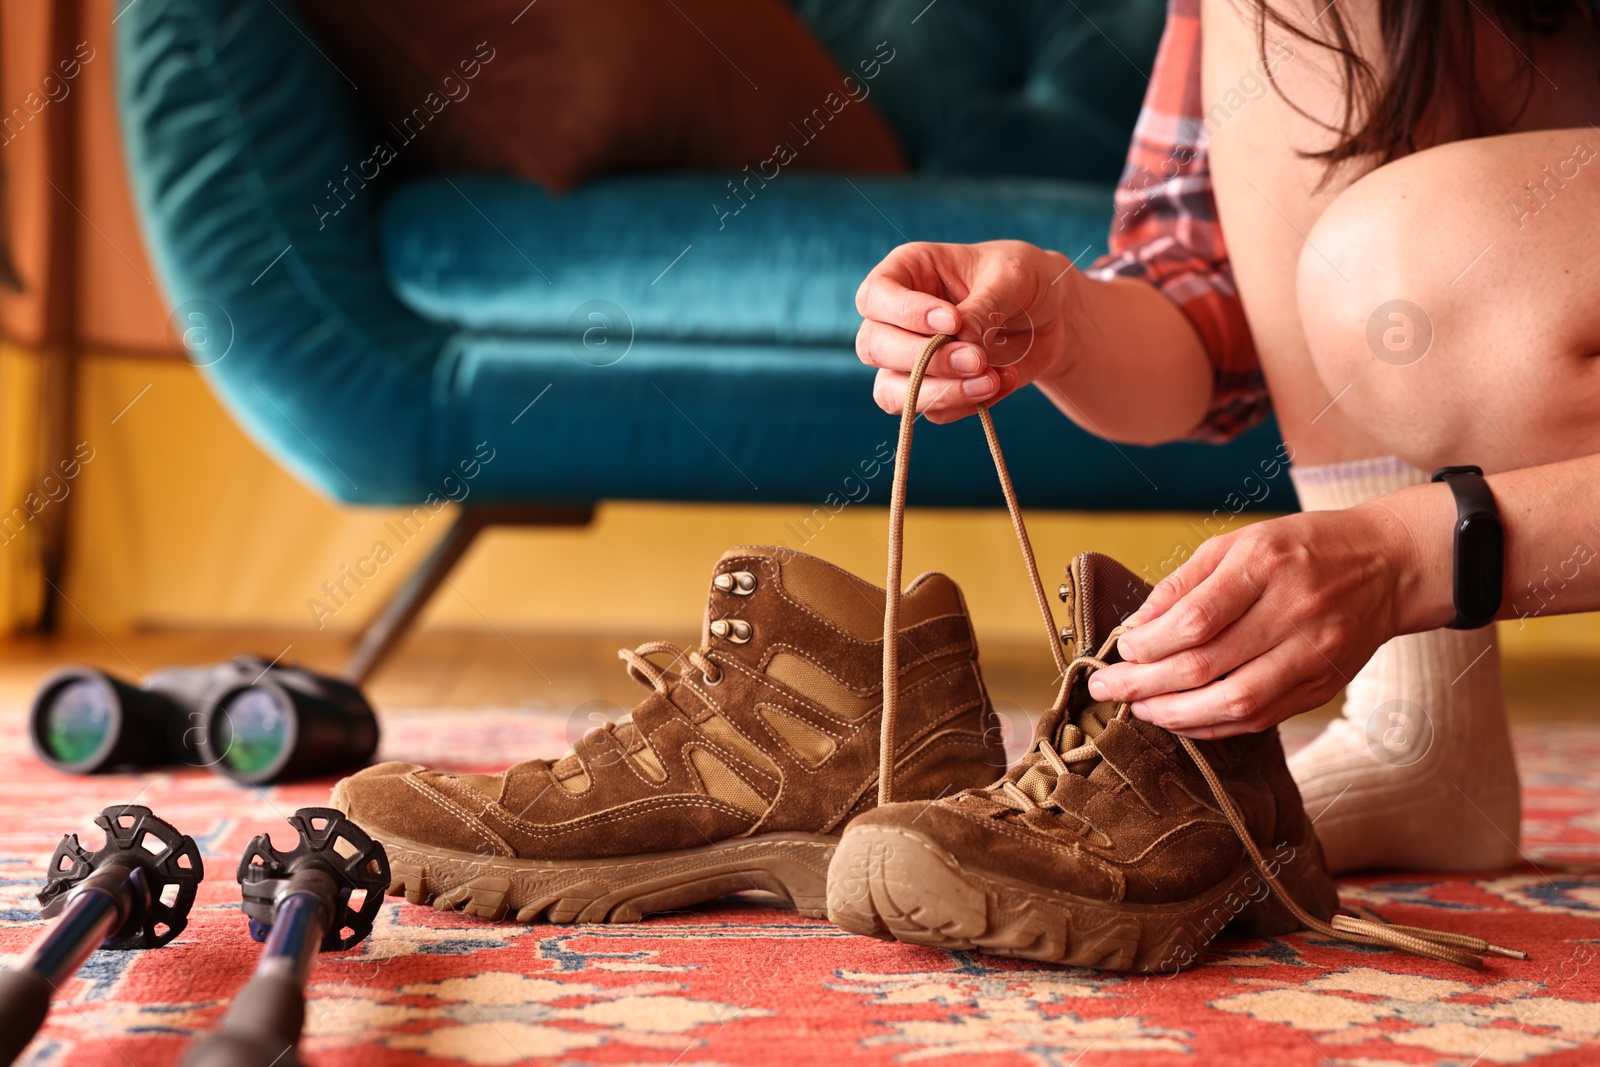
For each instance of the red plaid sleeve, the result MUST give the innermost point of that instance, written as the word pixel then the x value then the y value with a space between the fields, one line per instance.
pixel 1165 228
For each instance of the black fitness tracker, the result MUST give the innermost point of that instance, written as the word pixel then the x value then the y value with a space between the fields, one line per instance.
pixel 1479 545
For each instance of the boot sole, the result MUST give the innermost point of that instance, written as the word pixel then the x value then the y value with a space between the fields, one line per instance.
pixel 896 884
pixel 623 889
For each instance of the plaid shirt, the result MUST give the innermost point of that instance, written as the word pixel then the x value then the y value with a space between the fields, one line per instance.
pixel 1165 229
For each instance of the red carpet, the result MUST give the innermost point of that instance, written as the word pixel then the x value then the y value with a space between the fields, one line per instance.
pixel 742 983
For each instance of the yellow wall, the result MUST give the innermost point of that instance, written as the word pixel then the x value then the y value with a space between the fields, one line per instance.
pixel 20 587
pixel 182 522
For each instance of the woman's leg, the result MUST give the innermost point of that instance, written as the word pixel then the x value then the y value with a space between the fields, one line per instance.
pixel 1447 319
pixel 1451 301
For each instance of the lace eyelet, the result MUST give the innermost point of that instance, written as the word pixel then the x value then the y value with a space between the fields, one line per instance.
pixel 736 631
pixel 739 583
pixel 713 682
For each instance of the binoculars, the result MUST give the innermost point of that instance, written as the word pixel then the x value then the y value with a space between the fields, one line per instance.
pixel 254 721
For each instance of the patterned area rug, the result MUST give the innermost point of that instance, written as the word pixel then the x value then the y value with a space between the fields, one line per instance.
pixel 744 982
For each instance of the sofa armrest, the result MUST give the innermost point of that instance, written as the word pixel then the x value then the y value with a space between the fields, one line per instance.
pixel 256 188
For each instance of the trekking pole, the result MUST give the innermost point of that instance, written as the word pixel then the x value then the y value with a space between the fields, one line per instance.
pixel 299 903
pixel 135 892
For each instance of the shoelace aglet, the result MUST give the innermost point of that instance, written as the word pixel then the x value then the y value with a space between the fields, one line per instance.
pixel 1464 949
pixel 1469 942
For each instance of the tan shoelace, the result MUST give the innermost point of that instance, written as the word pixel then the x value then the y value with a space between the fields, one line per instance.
pixel 1463 949
pixel 659 678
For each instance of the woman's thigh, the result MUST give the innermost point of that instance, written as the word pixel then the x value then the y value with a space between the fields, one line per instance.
pixel 1451 301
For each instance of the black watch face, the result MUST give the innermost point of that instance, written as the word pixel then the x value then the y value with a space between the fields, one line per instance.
pixel 1478 566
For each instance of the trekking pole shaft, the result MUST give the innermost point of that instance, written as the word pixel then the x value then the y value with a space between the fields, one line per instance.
pixel 94 913
pixel 297 929
pixel 263 1025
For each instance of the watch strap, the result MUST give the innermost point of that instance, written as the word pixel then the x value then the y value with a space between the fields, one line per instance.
pixel 1479 556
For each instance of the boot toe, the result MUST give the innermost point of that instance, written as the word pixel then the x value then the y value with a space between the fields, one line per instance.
pixel 406 802
pixel 964 829
pixel 362 796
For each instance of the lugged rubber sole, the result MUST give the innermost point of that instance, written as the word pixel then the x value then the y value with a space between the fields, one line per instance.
pixel 887 882
pixel 620 889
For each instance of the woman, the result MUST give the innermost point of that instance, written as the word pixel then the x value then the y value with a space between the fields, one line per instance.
pixel 1393 250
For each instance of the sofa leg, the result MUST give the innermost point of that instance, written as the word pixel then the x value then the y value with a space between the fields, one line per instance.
pixel 390 626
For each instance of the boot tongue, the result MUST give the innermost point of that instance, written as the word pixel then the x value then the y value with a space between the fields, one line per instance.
pixel 1084 720
pixel 1091 722
pixel 1100 593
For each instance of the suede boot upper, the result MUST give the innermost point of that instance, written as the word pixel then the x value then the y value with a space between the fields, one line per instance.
pixel 771 725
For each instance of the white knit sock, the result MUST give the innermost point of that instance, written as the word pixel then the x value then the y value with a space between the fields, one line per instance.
pixel 1417 773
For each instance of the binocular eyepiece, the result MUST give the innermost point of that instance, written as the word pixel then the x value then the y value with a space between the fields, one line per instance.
pixel 251 720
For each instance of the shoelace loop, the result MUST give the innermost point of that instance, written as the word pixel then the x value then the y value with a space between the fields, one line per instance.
pixel 894 585
pixel 642 670
pixel 1463 949
pixel 1044 762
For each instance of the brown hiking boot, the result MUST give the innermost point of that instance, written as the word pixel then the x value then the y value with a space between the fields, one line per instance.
pixel 737 772
pixel 1102 848
pixel 1113 843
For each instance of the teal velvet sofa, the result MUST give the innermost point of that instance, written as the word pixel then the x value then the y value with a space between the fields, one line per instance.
pixel 645 337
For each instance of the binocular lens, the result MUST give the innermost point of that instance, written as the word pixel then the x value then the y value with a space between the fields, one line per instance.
pixel 252 730
pixel 77 722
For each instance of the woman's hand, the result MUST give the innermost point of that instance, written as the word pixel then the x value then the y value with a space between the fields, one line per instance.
pixel 1006 303
pixel 1272 620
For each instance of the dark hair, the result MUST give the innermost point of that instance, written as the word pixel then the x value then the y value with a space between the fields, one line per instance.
pixel 1428 55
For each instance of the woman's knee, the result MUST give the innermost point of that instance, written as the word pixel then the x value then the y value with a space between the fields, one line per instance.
pixel 1447 330
pixel 1370 302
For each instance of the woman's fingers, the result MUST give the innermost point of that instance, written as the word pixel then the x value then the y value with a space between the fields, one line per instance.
pixel 972 292
pixel 880 344
pixel 1246 701
pixel 896 292
pixel 943 399
pixel 1254 633
pixel 980 295
pixel 951 412
pixel 993 312
pixel 1172 588
pixel 1205 600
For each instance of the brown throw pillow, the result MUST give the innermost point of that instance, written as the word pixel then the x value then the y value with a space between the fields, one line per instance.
pixel 560 91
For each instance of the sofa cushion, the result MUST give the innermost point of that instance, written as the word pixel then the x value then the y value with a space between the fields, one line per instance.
pixel 564 90
pixel 1040 88
pixel 691 257
pixel 776 423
